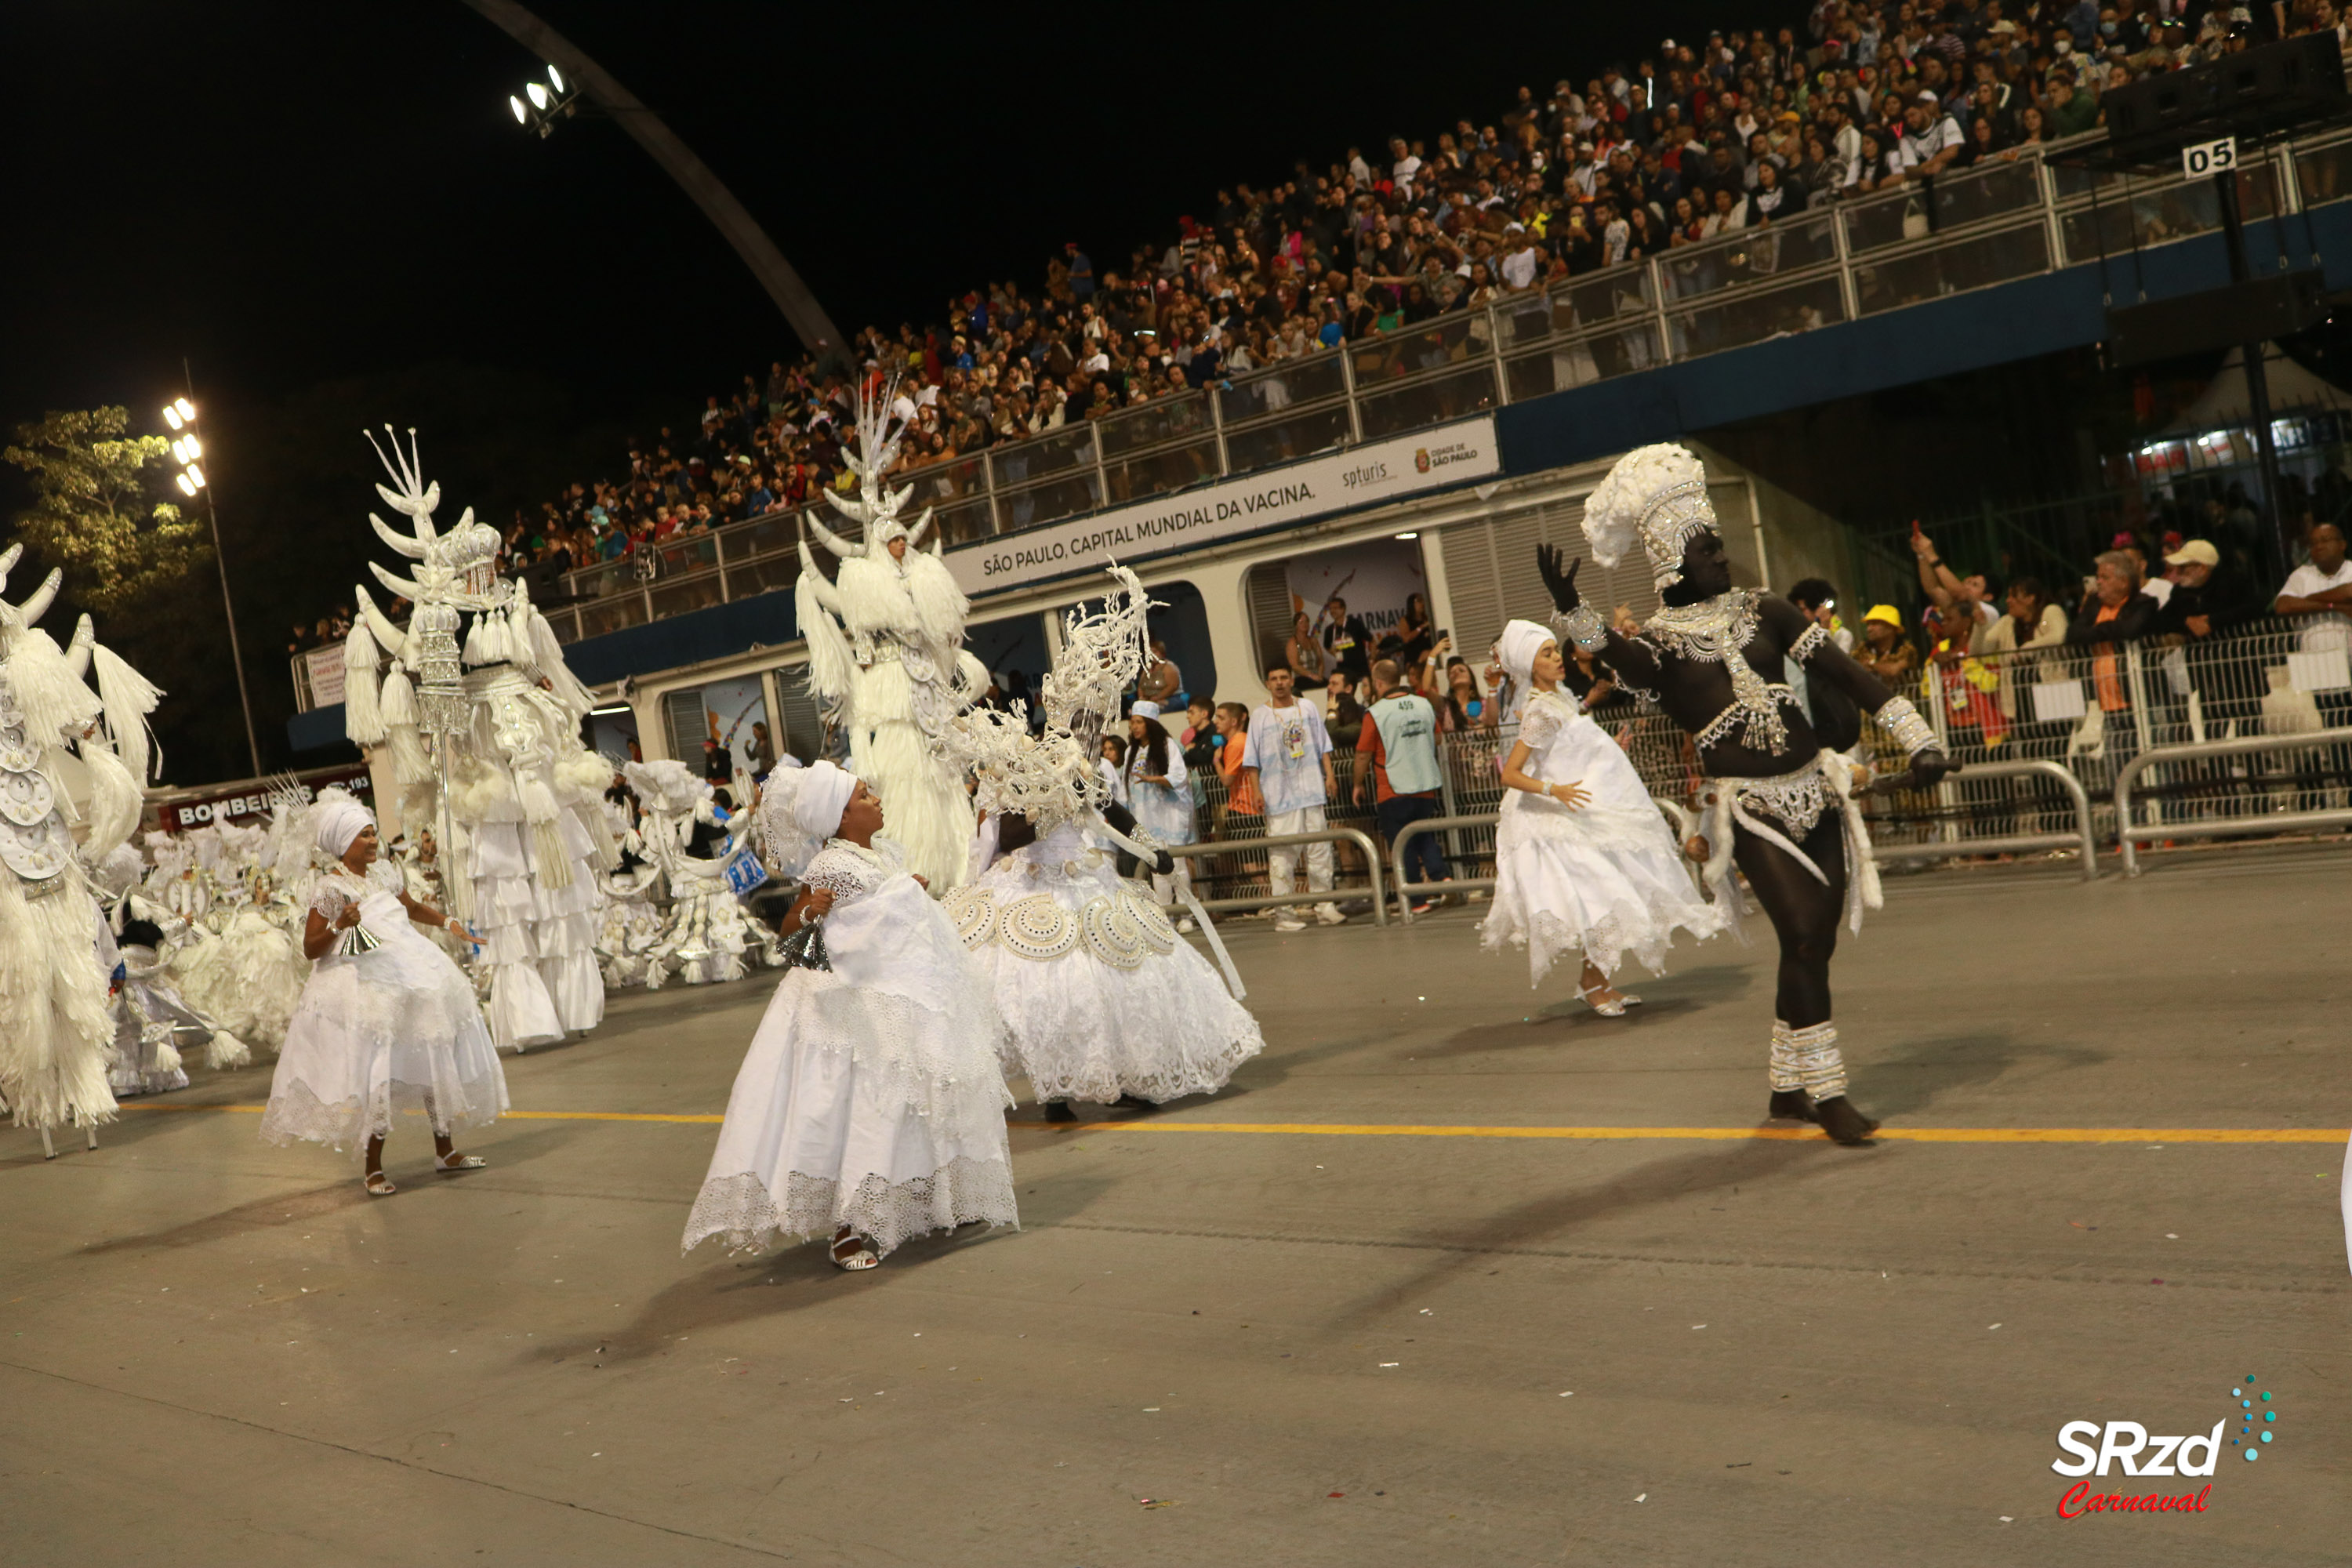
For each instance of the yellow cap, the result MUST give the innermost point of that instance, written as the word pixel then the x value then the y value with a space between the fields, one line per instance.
pixel 1887 613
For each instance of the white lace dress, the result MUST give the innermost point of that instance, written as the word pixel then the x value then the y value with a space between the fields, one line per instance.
pixel 1605 879
pixel 1102 995
pixel 382 1032
pixel 871 1095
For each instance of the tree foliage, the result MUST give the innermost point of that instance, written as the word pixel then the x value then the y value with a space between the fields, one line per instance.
pixel 95 510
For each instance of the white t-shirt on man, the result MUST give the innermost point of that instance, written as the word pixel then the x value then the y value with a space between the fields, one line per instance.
pixel 2320 632
pixel 1287 746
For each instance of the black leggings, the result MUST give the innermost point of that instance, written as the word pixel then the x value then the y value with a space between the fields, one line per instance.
pixel 1804 913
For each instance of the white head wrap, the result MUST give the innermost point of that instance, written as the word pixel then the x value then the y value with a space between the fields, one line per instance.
pixel 1146 710
pixel 336 819
pixel 1517 649
pixel 800 809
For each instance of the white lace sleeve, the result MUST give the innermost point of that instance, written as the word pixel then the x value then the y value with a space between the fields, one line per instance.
pixel 1541 722
pixel 841 871
pixel 383 874
pixel 331 898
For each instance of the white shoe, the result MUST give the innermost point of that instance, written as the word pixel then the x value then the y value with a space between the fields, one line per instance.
pixel 1286 921
pixel 1185 925
pixel 1330 915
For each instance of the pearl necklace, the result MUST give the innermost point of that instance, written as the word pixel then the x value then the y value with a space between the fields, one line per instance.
pixel 1713 631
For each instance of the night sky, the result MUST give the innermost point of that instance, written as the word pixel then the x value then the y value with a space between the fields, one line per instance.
pixel 324 207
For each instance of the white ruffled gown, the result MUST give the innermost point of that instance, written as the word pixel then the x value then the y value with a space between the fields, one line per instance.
pixel 1605 879
pixel 382 1032
pixel 1102 996
pixel 871 1095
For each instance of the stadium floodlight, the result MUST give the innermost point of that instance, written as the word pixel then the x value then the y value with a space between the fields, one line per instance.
pixel 195 448
pixel 539 99
pixel 185 409
pixel 172 416
pixel 522 115
pixel 187 485
pixel 195 477
pixel 555 79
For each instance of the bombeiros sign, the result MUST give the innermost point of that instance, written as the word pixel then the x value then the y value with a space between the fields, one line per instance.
pixel 1298 493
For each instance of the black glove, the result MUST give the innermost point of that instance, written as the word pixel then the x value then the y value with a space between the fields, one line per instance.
pixel 1929 767
pixel 1165 864
pixel 1563 585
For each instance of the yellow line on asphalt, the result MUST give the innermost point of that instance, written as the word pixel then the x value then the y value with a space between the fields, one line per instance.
pixel 1596 1134
pixel 1914 1134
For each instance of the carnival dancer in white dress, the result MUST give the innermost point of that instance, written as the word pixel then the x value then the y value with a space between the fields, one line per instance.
pixel 55 763
pixel 484 739
pixel 1583 861
pixel 1105 1002
pixel 870 1108
pixel 886 653
pixel 387 1024
pixel 1158 791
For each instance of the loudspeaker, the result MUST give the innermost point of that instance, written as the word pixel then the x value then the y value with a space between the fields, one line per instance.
pixel 2285 83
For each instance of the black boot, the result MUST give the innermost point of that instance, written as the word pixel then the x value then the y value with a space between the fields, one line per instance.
pixel 1790 1105
pixel 1059 1110
pixel 1842 1122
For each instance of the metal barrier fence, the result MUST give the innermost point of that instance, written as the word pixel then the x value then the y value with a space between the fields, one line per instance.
pixel 1256 848
pixel 2061 749
pixel 2015 216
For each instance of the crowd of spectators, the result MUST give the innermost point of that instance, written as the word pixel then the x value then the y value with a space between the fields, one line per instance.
pixel 1743 129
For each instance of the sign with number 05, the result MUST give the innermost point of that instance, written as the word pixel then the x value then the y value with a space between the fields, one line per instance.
pixel 2209 157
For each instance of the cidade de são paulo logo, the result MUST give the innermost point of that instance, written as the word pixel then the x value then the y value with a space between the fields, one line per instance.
pixel 2092 1449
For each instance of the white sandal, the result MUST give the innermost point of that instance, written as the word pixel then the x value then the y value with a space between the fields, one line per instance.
pixel 457 1162
pixel 1606 1009
pixel 379 1184
pixel 854 1261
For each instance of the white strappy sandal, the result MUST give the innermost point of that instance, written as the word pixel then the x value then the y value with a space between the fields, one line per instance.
pixel 1608 1009
pixel 863 1257
pixel 457 1162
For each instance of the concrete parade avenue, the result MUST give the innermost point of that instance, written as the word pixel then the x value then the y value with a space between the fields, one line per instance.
pixel 1455 1273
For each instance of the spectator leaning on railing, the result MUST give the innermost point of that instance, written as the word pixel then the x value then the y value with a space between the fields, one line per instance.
pixel 1397 757
pixel 1286 757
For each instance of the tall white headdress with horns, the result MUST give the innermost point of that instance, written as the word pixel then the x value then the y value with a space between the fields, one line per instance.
pixel 1102 653
pixel 875 507
pixel 1655 497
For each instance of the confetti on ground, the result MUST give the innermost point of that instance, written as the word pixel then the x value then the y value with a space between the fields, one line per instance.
pixel 1989 1327
pixel 1156 1501
pixel 1644 1498
pixel 1389 1364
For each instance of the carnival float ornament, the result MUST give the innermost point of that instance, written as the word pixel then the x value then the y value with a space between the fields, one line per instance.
pixel 483 737
pixel 887 661
pixel 73 764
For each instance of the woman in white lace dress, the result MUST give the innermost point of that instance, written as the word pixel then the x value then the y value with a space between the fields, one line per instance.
pixel 1583 861
pixel 1104 1001
pixel 386 1024
pixel 870 1107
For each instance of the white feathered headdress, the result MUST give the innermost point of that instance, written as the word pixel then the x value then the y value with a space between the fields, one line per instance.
pixel 1656 498
pixel 1101 655
pixel 1049 778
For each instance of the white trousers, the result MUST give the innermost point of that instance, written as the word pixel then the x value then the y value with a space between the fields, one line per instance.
pixel 1282 864
pixel 1169 887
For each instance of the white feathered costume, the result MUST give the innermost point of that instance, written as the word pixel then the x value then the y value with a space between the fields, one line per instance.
pixel 886 657
pixel 706 934
pixel 58 766
pixel 490 757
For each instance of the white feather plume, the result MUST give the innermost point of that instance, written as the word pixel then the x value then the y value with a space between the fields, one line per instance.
pixel 1613 512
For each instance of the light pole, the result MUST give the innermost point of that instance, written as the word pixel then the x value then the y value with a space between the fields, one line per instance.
pixel 180 414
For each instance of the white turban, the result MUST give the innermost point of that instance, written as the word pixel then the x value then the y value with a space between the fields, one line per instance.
pixel 1146 710
pixel 824 791
pixel 1517 649
pixel 337 819
pixel 799 809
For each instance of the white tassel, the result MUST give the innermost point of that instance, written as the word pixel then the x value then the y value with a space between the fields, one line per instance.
pixel 226 1051
pixel 167 1055
pixel 115 802
pixel 538 800
pixel 363 718
pixel 477 651
pixel 397 705
pixel 408 758
pixel 129 697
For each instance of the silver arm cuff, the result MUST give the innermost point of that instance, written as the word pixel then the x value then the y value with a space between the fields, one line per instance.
pixel 1582 625
pixel 1808 642
pixel 1905 727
